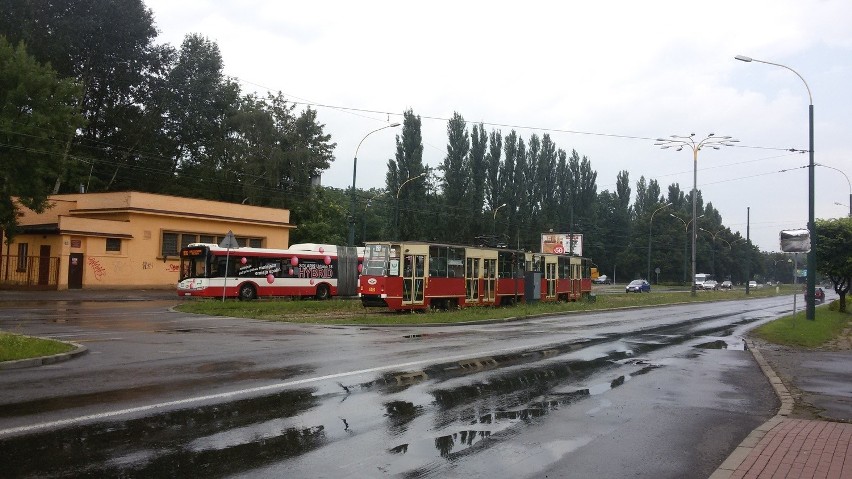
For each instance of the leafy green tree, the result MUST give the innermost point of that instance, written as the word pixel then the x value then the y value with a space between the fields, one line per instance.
pixel 37 112
pixel 106 46
pixel 478 178
pixel 407 164
pixel 455 182
pixel 834 254
pixel 493 189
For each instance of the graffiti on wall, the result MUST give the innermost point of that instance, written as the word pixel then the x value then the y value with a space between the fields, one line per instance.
pixel 97 268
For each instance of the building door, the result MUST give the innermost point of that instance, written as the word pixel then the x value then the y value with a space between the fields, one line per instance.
pixel 44 265
pixel 75 271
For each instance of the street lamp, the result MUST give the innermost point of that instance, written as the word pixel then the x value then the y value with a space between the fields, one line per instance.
pixel 398 191
pixel 847 181
pixel 810 310
pixel 713 264
pixel 351 239
pixel 494 227
pixel 650 224
pixel 685 239
pixel 680 142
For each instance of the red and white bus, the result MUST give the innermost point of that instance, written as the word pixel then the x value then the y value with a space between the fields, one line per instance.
pixel 304 270
pixel 420 275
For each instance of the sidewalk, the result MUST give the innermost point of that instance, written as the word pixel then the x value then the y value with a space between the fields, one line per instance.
pixel 790 448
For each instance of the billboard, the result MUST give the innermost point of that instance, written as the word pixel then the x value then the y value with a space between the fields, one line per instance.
pixel 795 241
pixel 562 243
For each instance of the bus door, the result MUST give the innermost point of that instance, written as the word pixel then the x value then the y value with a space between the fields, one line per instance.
pixel 413 274
pixel 550 275
pixel 471 278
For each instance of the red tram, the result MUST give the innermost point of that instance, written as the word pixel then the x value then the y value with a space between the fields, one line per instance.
pixel 420 275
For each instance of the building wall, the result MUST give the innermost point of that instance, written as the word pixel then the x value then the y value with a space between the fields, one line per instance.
pixel 137 224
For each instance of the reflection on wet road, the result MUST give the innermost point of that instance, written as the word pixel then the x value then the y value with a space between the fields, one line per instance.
pixel 423 421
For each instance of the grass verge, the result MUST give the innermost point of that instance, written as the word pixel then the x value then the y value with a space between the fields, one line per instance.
pixel 339 311
pixel 796 330
pixel 15 346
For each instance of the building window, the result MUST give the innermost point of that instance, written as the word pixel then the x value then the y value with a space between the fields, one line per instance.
pixel 170 244
pixel 22 256
pixel 173 241
pixel 113 245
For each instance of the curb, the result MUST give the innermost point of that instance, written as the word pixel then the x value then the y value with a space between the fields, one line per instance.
pixel 750 442
pixel 78 350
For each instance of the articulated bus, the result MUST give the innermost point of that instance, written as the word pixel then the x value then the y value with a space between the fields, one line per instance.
pixel 304 270
pixel 420 275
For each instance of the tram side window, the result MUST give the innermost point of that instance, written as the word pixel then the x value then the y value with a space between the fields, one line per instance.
pixel 455 262
pixel 504 265
pixel 438 261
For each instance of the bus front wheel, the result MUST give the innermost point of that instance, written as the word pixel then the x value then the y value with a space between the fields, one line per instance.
pixel 247 292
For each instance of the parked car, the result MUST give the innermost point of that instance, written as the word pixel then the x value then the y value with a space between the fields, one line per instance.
pixel 602 279
pixel 638 286
pixel 819 294
pixel 710 285
pixel 726 285
pixel 752 284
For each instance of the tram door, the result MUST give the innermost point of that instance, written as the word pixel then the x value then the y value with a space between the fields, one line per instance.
pixel 489 279
pixel 413 273
pixel 471 277
pixel 550 275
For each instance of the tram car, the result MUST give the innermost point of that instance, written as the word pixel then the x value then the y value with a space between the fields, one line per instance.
pixel 419 275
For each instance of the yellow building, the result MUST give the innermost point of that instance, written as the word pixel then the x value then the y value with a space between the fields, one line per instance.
pixel 127 239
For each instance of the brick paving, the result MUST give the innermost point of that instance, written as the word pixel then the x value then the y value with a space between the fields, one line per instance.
pixel 800 448
pixel 787 448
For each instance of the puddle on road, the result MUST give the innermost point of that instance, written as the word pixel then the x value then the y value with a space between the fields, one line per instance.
pixel 450 409
pixel 734 344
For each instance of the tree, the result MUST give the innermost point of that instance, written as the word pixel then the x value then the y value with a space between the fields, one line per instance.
pixel 457 178
pixel 37 112
pixel 834 254
pixel 407 164
pixel 106 46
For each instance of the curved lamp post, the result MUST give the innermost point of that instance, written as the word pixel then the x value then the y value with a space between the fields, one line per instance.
pixel 810 310
pixel 685 239
pixel 650 224
pixel 398 191
pixel 679 142
pixel 351 238
pixel 494 223
pixel 714 235
pixel 847 181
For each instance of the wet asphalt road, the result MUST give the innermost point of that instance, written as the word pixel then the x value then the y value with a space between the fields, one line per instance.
pixel 662 392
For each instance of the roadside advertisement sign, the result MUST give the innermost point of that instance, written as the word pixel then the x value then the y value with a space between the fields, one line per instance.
pixel 562 243
pixel 795 241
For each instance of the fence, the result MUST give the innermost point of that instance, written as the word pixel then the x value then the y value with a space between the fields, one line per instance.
pixel 28 272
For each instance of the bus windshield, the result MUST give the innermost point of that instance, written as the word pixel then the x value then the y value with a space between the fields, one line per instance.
pixel 193 263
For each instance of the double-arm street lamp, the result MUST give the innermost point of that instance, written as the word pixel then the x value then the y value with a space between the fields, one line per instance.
pixel 679 142
pixel 715 235
pixel 398 191
pixel 351 238
pixel 685 240
pixel 650 224
pixel 810 310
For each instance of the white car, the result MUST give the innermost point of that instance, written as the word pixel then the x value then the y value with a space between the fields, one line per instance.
pixel 602 279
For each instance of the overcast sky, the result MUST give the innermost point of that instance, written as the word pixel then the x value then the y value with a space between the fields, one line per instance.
pixel 604 78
